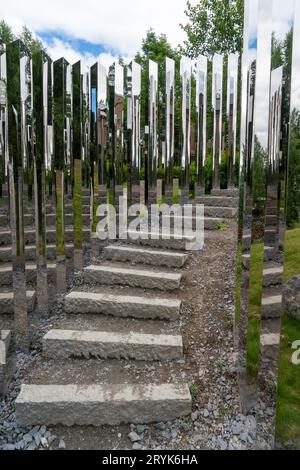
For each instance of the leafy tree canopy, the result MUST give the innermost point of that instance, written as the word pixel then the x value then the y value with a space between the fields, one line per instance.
pixel 214 26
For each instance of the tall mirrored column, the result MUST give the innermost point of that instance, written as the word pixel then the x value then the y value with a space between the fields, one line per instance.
pixel 3 123
pixel 170 121
pixel 232 96
pixel 86 129
pixel 94 156
pixel 26 118
pixel 15 52
pixel 152 132
pixel 217 91
pixel 116 90
pixel 186 79
pixel 77 164
pixel 201 108
pixel 287 418
pixel 245 220
pixel 60 68
pixel 40 66
pixel 103 131
pixel 134 130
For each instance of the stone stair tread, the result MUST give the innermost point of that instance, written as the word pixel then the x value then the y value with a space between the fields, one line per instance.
pixel 59 343
pixel 124 268
pixel 101 404
pixel 145 255
pixel 122 304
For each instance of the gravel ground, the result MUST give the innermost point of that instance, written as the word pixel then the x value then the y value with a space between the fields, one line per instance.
pixel 209 366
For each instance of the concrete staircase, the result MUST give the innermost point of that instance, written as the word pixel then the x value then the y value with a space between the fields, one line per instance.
pixel 127 312
pixel 221 204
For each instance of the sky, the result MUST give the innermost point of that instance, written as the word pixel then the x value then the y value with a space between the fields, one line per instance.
pixel 95 29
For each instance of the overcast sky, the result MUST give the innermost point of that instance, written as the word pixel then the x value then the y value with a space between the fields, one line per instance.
pixel 88 29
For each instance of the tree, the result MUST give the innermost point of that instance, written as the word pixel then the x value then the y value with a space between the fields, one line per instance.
pixel 214 26
pixel 6 34
pixel 32 43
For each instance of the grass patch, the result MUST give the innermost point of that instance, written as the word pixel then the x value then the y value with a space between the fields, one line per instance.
pixel 194 390
pixel 223 227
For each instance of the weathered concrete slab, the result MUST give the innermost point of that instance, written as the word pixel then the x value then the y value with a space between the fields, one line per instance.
pixel 156 240
pixel 6 273
pixel 7 361
pixel 110 275
pixel 122 305
pixel 272 276
pixel 63 344
pixel 97 405
pixel 234 192
pixel 269 344
pixel 145 256
pixel 220 212
pixel 7 302
pixel 30 236
pixel 272 306
pixel 216 201
pixel 30 252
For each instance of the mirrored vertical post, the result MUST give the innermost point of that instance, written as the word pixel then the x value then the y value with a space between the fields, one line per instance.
pixel 116 87
pixel 170 121
pixel 14 52
pixel 134 130
pixel 94 160
pixel 3 123
pixel 60 159
pixel 232 95
pixel 217 91
pixel 40 66
pixel 26 118
pixel 186 78
pixel 77 163
pixel 152 135
pixel 201 108
pixel 102 131
pixel 86 129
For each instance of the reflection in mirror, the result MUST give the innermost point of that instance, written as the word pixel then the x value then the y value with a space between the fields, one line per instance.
pixel 116 90
pixel 86 128
pixel 258 181
pixel 232 95
pixel 61 109
pixel 102 129
pixel 3 123
pixel 94 157
pixel 15 52
pixel 287 419
pixel 40 65
pixel 134 130
pixel 186 78
pixel 26 118
pixel 201 107
pixel 152 135
pixel 170 120
pixel 217 91
pixel 77 163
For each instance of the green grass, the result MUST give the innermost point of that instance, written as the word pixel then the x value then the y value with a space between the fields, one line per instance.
pixel 288 405
pixel 223 227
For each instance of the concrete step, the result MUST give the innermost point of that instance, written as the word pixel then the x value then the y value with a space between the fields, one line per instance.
pixel 269 345
pixel 233 192
pixel 215 201
pixel 155 239
pixel 111 275
pixel 122 305
pixel 145 256
pixel 269 253
pixel 272 275
pixel 30 252
pixel 6 273
pixel 7 301
pixel 271 220
pixel 30 236
pixel 97 405
pixel 29 219
pixel 271 305
pixel 220 212
pixel 246 261
pixel 63 344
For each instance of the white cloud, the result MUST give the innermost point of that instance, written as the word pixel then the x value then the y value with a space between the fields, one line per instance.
pixel 117 24
pixel 58 49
